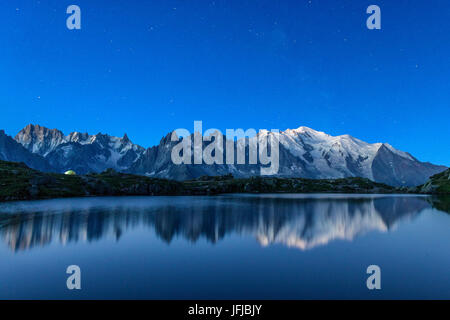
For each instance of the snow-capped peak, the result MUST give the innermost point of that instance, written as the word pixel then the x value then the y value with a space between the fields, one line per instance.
pixel 304 152
pixel 117 153
pixel 304 129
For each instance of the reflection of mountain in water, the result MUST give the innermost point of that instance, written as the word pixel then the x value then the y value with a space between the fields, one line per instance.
pixel 441 203
pixel 303 222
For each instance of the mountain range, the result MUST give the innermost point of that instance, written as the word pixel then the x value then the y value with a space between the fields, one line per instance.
pixel 303 152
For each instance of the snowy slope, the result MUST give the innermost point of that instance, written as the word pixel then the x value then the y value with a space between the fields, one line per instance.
pixel 80 151
pixel 303 152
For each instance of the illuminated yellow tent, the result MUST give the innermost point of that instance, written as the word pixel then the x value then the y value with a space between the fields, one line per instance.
pixel 70 173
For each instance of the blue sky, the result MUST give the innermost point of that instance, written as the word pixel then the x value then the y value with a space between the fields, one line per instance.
pixel 148 67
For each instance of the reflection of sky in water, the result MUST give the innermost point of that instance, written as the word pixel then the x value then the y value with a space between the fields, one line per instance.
pixel 234 246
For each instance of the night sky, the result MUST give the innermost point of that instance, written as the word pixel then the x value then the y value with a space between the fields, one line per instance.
pixel 148 67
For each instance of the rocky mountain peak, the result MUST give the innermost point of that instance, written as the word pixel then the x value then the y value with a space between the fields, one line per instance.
pixel 303 153
pixel 38 139
pixel 11 150
pixel 166 139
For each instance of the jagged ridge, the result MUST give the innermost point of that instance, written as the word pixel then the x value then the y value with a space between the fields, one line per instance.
pixel 304 153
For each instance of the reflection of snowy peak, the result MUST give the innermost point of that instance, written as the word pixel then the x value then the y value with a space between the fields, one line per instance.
pixel 79 151
pixel 332 221
pixel 298 221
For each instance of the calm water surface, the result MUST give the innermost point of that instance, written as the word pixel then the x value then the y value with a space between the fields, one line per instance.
pixel 223 247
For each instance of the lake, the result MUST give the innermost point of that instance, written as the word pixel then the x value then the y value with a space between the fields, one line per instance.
pixel 272 246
